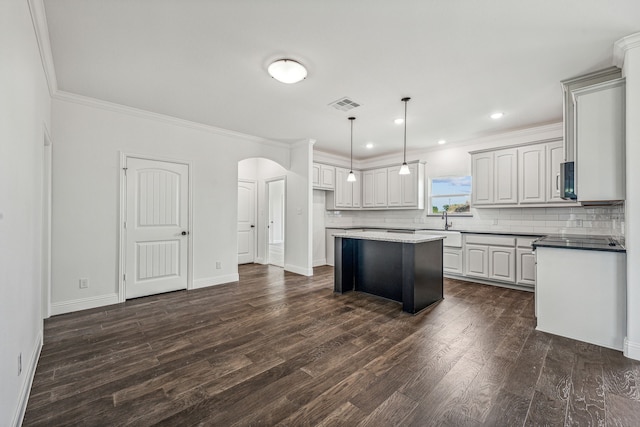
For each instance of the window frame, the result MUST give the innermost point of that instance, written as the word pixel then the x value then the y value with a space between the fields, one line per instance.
pixel 430 197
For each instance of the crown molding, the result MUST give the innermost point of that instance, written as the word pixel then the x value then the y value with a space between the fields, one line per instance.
pixel 623 45
pixel 145 114
pixel 39 20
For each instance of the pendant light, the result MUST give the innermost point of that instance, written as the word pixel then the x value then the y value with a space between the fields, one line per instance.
pixel 404 169
pixel 352 176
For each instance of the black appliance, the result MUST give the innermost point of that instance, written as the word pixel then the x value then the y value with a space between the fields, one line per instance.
pixel 567 181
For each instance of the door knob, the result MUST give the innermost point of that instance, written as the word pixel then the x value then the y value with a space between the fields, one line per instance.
pixel 184 233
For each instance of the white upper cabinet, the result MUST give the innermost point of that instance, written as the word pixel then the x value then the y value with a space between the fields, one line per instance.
pixel 506 176
pixel 368 189
pixel 599 118
pixel 532 165
pixel 356 192
pixel 411 189
pixel 347 195
pixel 555 157
pixel 381 185
pixel 482 181
pixel 323 177
pixel 525 175
pixel 394 189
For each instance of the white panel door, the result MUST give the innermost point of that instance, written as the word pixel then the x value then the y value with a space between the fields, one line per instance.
pixel 246 221
pixel 394 189
pixel 476 260
pixel 532 170
pixel 502 264
pixel 482 178
pixel 506 176
pixel 381 187
pixel 368 189
pixel 157 227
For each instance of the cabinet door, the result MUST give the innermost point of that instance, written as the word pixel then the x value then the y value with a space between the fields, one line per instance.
pixel 327 177
pixel 368 189
pixel 502 264
pixel 315 181
pixel 476 260
pixel 394 189
pixel 505 176
pixel 380 187
pixel 482 178
pixel 356 193
pixel 526 267
pixel 555 157
pixel 409 185
pixel 452 260
pixel 532 172
pixel 600 133
pixel 343 192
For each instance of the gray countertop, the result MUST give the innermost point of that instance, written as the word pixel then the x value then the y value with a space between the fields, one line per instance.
pixel 390 237
pixel 589 243
pixel 413 228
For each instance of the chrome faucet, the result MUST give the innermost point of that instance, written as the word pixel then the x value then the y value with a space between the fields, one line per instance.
pixel 447 224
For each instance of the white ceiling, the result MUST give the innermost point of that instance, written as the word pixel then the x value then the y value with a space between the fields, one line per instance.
pixel 459 60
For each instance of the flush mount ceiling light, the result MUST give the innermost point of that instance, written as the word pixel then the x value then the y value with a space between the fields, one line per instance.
pixel 352 176
pixel 398 121
pixel 404 169
pixel 442 142
pixel 287 71
pixel 497 115
pixel 369 145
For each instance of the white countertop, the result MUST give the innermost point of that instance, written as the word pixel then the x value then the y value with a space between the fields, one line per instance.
pixel 389 237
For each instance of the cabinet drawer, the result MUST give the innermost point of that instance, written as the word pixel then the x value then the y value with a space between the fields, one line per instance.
pixel 491 240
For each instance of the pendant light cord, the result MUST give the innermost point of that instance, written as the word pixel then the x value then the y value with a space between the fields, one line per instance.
pixel 351 119
pixel 404 157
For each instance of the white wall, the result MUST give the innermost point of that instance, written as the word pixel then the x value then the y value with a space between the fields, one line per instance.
pixel 631 69
pixel 24 111
pixel 86 174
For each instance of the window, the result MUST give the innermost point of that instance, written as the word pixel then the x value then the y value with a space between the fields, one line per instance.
pixel 450 194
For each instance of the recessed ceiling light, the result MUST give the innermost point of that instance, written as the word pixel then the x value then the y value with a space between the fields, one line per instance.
pixel 369 145
pixel 497 116
pixel 398 121
pixel 442 141
pixel 287 71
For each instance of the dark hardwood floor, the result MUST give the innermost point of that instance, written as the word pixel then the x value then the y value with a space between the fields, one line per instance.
pixel 282 349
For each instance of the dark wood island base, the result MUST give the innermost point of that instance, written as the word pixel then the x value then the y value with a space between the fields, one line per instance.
pixel 403 268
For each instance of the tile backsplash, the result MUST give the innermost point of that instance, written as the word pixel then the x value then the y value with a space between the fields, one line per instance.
pixel 605 220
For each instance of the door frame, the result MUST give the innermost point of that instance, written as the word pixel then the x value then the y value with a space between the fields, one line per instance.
pixel 255 216
pixel 284 219
pixel 122 208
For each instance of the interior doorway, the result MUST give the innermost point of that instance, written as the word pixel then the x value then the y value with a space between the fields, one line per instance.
pixel 246 221
pixel 276 199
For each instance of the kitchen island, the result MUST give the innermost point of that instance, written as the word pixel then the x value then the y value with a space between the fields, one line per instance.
pixel 401 267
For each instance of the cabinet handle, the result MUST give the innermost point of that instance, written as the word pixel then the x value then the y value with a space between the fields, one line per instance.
pixel 558 182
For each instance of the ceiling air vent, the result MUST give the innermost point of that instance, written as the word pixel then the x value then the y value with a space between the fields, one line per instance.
pixel 344 104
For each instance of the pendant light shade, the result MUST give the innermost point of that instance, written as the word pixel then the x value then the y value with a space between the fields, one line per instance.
pixel 404 169
pixel 352 176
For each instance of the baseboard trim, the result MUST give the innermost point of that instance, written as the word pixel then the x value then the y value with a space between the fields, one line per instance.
pixel 319 262
pixel 299 270
pixel 83 303
pixel 213 281
pixel 631 349
pixel 26 385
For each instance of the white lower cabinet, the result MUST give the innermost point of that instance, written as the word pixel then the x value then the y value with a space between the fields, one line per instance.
pixel 525 262
pixel 499 258
pixel 502 264
pixel 476 260
pixel 452 260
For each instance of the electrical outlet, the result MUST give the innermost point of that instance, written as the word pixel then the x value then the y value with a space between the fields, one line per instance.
pixel 19 364
pixel 218 265
pixel 84 283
